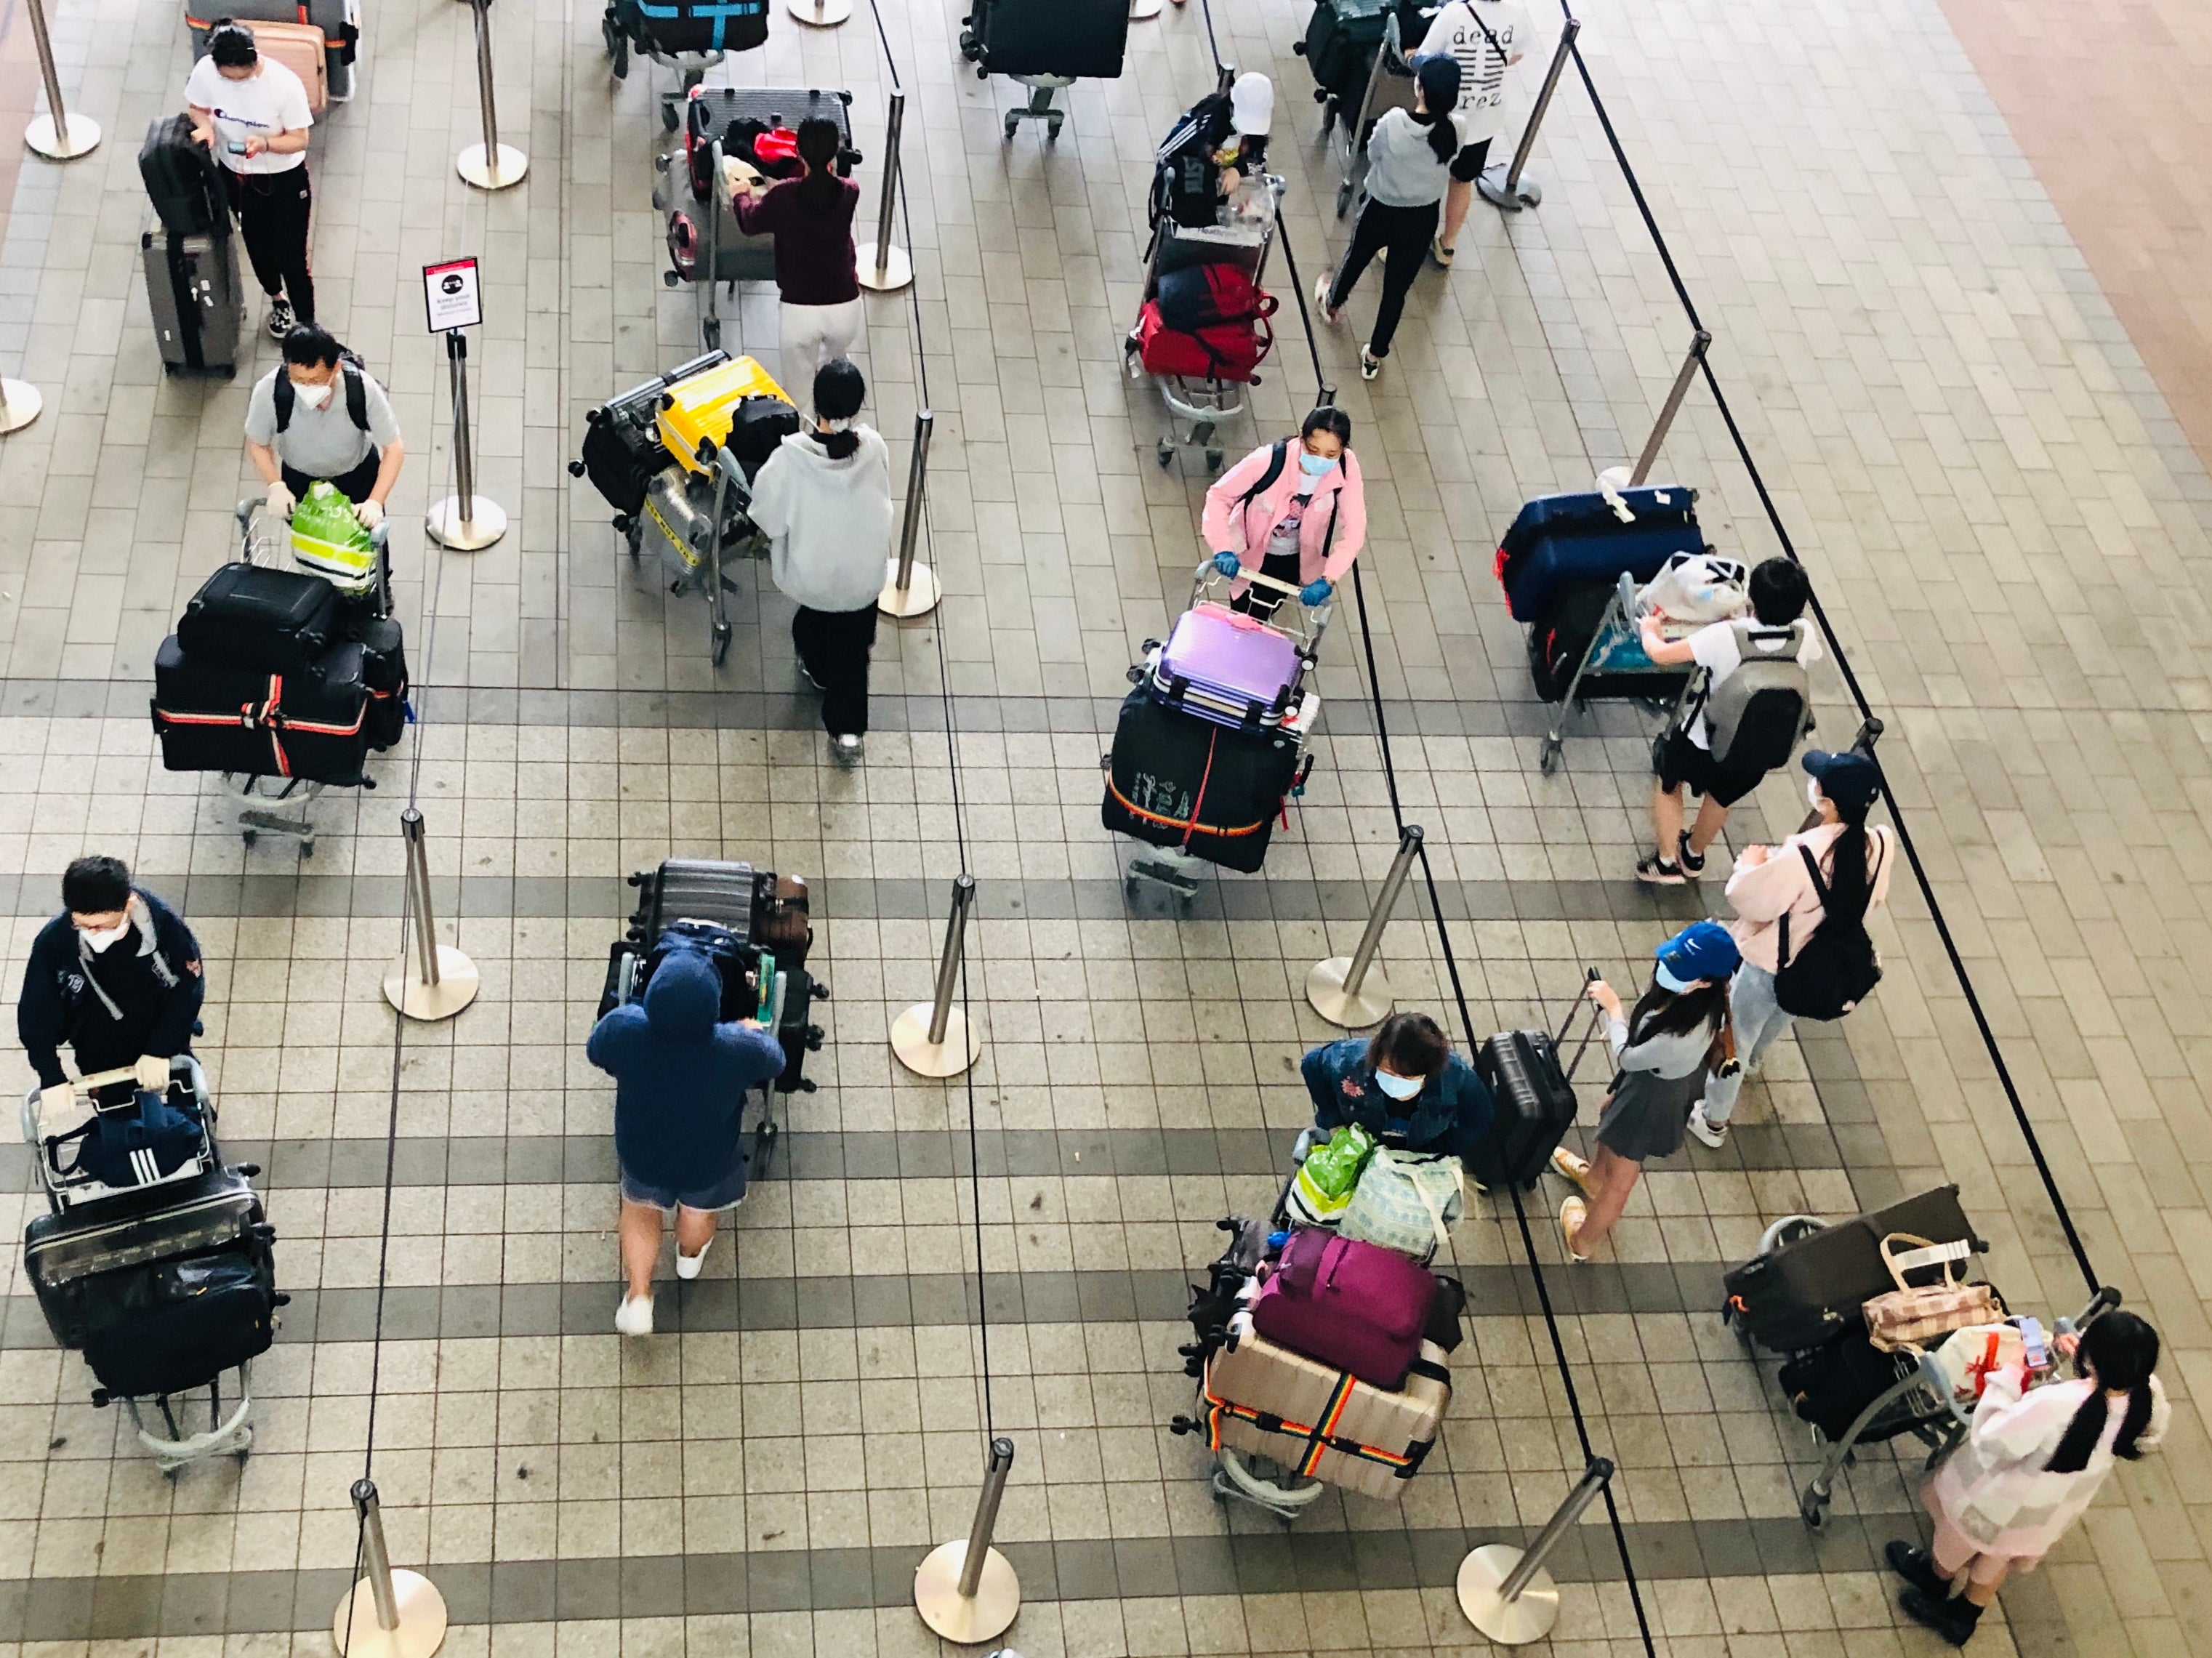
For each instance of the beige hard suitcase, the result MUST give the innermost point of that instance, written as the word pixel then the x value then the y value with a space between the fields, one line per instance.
pixel 1325 1424
pixel 299 48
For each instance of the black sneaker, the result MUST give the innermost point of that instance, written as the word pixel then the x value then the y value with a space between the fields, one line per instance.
pixel 1693 863
pixel 281 320
pixel 1654 870
pixel 1917 1568
pixel 1954 1619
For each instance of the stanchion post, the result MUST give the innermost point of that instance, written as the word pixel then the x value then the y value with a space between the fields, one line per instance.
pixel 819 14
pixel 967 1592
pixel 430 981
pixel 1143 11
pixel 1669 408
pixel 20 403
pixel 1503 187
pixel 388 1613
pixel 58 135
pixel 885 268
pixel 1506 1592
pixel 1351 990
pixel 490 165
pixel 933 1038
pixel 465 521
pixel 910 589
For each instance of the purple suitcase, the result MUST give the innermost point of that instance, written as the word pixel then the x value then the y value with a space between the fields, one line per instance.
pixel 1228 668
pixel 1356 1306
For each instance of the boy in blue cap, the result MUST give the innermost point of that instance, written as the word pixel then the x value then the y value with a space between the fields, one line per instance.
pixel 1662 1052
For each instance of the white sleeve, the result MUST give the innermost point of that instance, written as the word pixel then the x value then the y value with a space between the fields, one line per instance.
pixel 1716 650
pixel 200 84
pixel 294 113
pixel 769 512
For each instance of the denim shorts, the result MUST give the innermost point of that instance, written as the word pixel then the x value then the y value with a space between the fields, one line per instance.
pixel 727 1193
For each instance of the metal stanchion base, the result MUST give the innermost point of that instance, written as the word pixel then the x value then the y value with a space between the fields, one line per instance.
pixel 1491 187
pixel 898 271
pixel 1528 1616
pixel 1370 1005
pixel 456 988
pixel 963 1621
pixel 83 138
pixel 505 169
pixel 1143 10
pixel 920 598
pixel 819 14
pixel 20 403
pixel 356 1634
pixel 961 1049
pixel 486 523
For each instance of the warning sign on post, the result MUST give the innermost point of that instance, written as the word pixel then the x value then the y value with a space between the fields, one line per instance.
pixel 451 295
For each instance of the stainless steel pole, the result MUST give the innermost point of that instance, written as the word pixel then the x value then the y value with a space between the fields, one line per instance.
pixel 1591 1483
pixel 916 479
pixel 418 897
pixel 986 1511
pixel 376 1559
pixel 45 43
pixel 1409 847
pixel 1668 409
pixel 1543 102
pixel 948 976
pixel 465 468
pixel 892 127
pixel 483 10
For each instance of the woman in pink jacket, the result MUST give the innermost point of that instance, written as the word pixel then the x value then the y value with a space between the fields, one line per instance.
pixel 1295 512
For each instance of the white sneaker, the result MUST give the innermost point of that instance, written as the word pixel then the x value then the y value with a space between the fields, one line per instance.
pixel 846 750
pixel 687 1267
pixel 635 1316
pixel 1714 1134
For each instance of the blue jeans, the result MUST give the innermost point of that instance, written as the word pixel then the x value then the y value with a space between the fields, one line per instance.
pixel 1759 1023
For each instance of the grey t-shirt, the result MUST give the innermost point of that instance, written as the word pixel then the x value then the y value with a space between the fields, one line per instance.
pixel 324 443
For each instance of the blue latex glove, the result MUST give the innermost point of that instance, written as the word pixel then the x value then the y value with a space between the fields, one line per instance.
pixel 1228 564
pixel 1315 592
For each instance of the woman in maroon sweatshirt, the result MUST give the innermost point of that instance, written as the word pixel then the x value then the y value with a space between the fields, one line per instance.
pixel 815 271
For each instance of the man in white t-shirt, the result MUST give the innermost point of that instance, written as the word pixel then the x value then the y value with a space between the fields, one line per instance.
pixel 1488 36
pixel 252 112
pixel 1684 758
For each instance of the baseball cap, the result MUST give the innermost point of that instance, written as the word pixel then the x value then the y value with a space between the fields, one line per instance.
pixel 1850 779
pixel 1252 104
pixel 1701 950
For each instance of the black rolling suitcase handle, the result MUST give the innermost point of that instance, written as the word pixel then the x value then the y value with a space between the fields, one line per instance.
pixel 1590 976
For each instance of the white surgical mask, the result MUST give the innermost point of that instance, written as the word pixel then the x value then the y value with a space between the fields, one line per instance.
pixel 1398 1088
pixel 114 935
pixel 313 396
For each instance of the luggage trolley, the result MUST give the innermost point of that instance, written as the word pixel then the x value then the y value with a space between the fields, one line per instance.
pixel 1389 86
pixel 1244 239
pixel 648 29
pixel 1615 666
pixel 164 1285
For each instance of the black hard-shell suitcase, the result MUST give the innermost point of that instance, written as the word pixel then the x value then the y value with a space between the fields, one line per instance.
pixel 383 674
pixel 182 179
pixel 313 725
pixel 1802 1294
pixel 1085 39
pixel 1174 780
pixel 253 616
pixel 1534 1104
pixel 162 1290
pixel 622 447
pixel 757 426
pixel 198 305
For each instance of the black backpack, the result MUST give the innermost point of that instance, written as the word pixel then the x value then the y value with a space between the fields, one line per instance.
pixel 353 375
pixel 1837 967
pixel 182 179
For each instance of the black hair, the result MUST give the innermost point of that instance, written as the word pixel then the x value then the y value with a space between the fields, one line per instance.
pixel 1411 1044
pixel 1778 592
pixel 1330 419
pixel 1664 1012
pixel 818 142
pixel 1849 887
pixel 231 45
pixel 2120 1352
pixel 312 346
pixel 1438 77
pixel 839 391
pixel 94 886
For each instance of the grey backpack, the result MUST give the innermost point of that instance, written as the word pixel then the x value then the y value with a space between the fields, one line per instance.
pixel 1756 715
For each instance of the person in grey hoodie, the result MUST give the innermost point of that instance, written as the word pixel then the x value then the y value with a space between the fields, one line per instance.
pixel 823 501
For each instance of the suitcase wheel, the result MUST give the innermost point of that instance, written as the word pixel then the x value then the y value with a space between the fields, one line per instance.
pixel 1167 449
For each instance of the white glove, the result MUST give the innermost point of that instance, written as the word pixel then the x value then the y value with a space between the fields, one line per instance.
pixel 281 500
pixel 57 1108
pixel 370 513
pixel 153 1073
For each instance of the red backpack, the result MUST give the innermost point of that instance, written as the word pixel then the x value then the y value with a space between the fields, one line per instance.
pixel 1226 351
pixel 1203 296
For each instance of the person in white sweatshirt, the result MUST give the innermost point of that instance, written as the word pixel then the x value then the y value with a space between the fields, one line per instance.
pixel 823 501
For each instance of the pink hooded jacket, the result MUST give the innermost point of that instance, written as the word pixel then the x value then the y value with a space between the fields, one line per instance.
pixel 1232 525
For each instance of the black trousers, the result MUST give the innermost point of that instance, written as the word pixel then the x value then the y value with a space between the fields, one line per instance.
pixel 834 646
pixel 354 486
pixel 1400 234
pixel 273 211
pixel 1260 602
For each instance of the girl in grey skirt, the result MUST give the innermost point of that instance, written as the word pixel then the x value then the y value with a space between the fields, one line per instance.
pixel 1662 1052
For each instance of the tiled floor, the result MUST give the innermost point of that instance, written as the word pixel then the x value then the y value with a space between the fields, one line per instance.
pixel 1997 508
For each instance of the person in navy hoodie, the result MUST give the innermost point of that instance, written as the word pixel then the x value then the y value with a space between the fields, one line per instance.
pixel 1404 1085
pixel 681 1078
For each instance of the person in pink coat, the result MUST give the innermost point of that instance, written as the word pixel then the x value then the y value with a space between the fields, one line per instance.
pixel 1296 512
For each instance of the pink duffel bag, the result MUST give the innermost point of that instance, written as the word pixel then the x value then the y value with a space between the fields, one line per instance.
pixel 1356 1306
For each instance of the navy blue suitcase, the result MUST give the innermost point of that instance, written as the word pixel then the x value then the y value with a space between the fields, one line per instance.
pixel 1568 538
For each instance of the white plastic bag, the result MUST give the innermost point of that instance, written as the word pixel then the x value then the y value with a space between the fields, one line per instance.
pixel 1698 587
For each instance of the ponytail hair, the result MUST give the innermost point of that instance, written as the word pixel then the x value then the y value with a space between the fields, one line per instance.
pixel 838 391
pixel 2119 1350
pixel 1438 75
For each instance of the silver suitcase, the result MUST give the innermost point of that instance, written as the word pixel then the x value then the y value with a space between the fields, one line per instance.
pixel 199 308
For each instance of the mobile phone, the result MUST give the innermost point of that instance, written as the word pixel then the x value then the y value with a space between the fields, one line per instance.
pixel 235 146
pixel 2031 1339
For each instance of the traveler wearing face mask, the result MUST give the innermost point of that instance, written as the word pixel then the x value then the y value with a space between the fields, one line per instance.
pixel 1404 1085
pixel 116 977
pixel 320 416
pixel 1295 511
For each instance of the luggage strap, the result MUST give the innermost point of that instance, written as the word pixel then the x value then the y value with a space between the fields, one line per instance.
pixel 270 717
pixel 1320 1437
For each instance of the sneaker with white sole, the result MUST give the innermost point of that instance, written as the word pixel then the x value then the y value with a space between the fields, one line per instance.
pixel 1714 1134
pixel 635 1316
pixel 1570 1167
pixel 1692 864
pixel 280 319
pixel 1654 871
pixel 1370 366
pixel 847 749
pixel 687 1267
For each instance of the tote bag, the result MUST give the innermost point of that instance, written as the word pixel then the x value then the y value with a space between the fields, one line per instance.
pixel 1406 1201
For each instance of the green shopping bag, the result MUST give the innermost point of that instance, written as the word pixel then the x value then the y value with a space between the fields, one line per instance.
pixel 1323 1188
pixel 329 540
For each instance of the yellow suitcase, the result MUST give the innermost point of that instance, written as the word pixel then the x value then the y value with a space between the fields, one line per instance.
pixel 701 407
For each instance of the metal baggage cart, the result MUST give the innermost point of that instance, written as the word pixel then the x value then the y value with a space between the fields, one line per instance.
pixel 1244 239
pixel 1389 86
pixel 626 29
pixel 108 1091
pixel 1614 664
